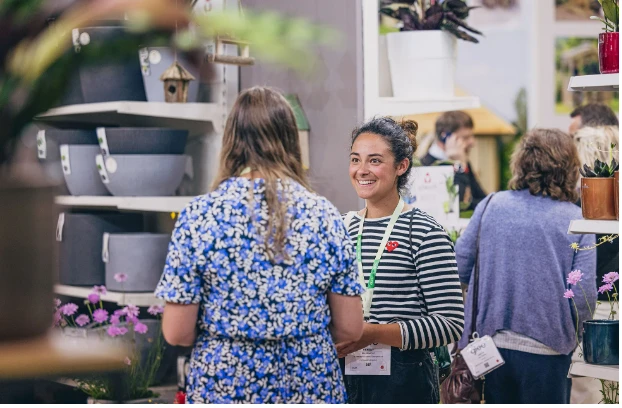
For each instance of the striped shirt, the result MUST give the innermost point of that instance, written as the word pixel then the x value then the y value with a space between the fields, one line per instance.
pixel 417 283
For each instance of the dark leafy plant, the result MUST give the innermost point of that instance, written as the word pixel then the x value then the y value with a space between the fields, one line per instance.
pixel 611 11
pixel 600 169
pixel 448 15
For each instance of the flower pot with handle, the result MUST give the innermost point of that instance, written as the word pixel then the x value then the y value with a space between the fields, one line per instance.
pixel 608 53
pixel 597 198
pixel 601 342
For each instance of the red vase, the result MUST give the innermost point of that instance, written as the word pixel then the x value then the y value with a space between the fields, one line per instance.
pixel 608 53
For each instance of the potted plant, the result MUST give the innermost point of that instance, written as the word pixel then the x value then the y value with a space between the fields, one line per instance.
pixel 422 56
pixel 142 338
pixel 597 190
pixel 608 43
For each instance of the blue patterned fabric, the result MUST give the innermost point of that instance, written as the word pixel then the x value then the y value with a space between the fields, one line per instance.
pixel 263 325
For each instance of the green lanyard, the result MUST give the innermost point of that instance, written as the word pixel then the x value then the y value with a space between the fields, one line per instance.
pixel 371 284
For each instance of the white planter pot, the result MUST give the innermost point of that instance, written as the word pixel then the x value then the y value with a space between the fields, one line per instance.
pixel 422 64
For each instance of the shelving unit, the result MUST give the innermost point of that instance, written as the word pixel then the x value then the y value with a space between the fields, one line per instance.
pixel 197 118
pixel 602 82
pixel 593 227
pixel 144 299
pixel 148 204
pixel 610 373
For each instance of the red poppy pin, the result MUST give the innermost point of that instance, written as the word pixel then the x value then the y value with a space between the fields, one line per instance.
pixel 391 245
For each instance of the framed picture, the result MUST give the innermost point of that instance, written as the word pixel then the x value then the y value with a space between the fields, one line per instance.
pixel 573 10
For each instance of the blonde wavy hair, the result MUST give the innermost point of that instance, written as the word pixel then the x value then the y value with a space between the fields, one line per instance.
pixel 593 143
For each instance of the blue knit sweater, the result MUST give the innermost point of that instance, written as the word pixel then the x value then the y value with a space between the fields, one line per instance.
pixel 525 257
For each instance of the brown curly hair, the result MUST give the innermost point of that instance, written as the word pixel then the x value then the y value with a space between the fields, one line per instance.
pixel 547 163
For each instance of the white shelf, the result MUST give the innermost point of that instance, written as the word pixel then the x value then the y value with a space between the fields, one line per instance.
pixel 122 299
pixel 603 82
pixel 197 118
pixel 386 106
pixel 602 372
pixel 593 227
pixel 154 204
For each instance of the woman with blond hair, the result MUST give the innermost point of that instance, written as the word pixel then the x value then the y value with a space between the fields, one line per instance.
pixel 524 259
pixel 260 276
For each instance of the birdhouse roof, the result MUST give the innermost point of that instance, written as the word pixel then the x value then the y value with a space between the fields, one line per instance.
pixel 176 71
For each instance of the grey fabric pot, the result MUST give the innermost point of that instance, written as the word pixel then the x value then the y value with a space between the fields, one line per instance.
pixel 80 244
pixel 142 175
pixel 139 256
pixel 141 140
pixel 50 140
pixel 80 171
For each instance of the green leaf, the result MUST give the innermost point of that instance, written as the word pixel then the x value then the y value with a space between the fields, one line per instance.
pixel 610 9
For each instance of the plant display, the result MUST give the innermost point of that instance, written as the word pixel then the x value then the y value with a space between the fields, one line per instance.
pixel 600 168
pixel 448 15
pixel 454 234
pixel 611 11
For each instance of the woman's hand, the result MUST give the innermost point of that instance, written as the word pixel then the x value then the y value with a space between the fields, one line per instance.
pixel 368 337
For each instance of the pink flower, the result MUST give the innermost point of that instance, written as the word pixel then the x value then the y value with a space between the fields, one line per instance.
pixel 131 319
pixel 69 309
pixel 131 310
pixel 82 320
pixel 120 277
pixel 605 288
pixel 611 277
pixel 114 319
pixel 100 289
pixel 93 298
pixel 114 331
pixel 155 310
pixel 57 302
pixel 100 316
pixel 569 294
pixel 574 277
pixel 122 330
pixel 127 361
pixel 140 328
pixel 57 318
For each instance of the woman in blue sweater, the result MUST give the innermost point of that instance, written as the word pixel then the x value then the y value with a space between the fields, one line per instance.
pixel 525 257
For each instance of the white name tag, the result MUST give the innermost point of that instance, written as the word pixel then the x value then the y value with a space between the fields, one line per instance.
pixel 374 359
pixel 482 356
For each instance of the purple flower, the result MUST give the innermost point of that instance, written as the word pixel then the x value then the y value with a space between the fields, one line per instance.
pixel 569 294
pixel 100 316
pixel 120 277
pixel 127 361
pixel 610 277
pixel 131 319
pixel 57 302
pixel 574 277
pixel 100 289
pixel 140 328
pixel 93 298
pixel 155 310
pixel 69 309
pixel 131 310
pixel 114 331
pixel 605 288
pixel 82 320
pixel 122 330
pixel 57 318
pixel 114 319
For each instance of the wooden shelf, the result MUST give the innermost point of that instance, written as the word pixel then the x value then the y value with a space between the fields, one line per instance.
pixel 143 299
pixel 602 82
pixel 197 118
pixel 150 204
pixel 593 227
pixel 601 372
pixel 402 107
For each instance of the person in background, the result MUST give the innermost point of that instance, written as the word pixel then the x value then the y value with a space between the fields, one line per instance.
pixel 416 303
pixel 454 141
pixel 524 258
pixel 260 276
pixel 594 129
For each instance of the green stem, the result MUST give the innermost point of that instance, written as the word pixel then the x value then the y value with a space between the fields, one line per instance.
pixel 588 303
pixel 576 333
pixel 610 311
pixel 88 305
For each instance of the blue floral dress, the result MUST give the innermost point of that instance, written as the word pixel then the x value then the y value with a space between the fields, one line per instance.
pixel 263 326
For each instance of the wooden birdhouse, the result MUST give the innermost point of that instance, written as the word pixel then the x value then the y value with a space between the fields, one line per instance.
pixel 176 79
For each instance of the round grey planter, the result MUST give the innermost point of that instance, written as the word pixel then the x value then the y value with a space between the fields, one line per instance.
pixel 80 171
pixel 137 140
pixel 50 140
pixel 139 256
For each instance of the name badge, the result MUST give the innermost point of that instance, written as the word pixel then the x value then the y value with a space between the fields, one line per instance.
pixel 374 359
pixel 482 356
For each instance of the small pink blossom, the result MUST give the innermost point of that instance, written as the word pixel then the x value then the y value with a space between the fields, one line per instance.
pixel 155 310
pixel 57 302
pixel 114 331
pixel 569 294
pixel 57 318
pixel 93 298
pixel 605 288
pixel 114 319
pixel 140 328
pixel 82 320
pixel 611 277
pixel 120 277
pixel 131 310
pixel 122 330
pixel 131 319
pixel 69 309
pixel 127 361
pixel 100 316
pixel 101 290
pixel 574 277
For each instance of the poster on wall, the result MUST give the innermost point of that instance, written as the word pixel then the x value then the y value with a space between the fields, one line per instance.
pixel 577 56
pixel 432 190
pixel 574 10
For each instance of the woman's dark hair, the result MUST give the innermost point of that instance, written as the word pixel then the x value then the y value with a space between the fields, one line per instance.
pixel 547 163
pixel 401 137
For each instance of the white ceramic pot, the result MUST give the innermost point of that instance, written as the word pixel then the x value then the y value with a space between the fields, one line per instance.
pixel 422 64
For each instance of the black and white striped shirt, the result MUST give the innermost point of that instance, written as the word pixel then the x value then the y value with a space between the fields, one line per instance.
pixel 419 290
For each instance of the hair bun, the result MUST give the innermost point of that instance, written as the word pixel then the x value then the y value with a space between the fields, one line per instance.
pixel 411 127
